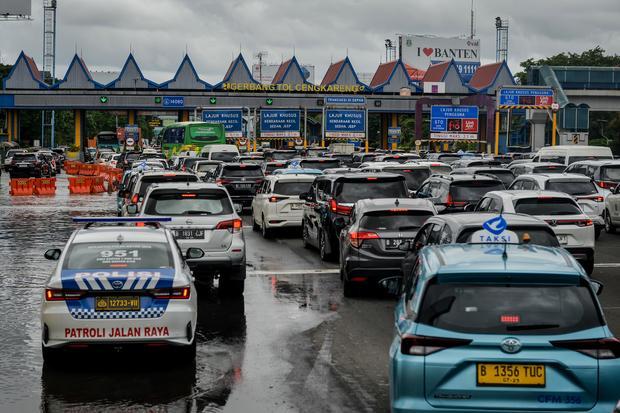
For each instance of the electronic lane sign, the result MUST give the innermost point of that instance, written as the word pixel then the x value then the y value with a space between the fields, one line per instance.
pixel 343 123
pixel 173 101
pixel 525 98
pixel 454 122
pixel 279 123
pixel 232 119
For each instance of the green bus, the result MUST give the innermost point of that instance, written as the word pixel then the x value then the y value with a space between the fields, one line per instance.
pixel 190 136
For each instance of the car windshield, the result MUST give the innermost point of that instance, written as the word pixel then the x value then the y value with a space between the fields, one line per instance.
pixel 503 175
pixel 548 169
pixel 118 255
pixel 448 158
pixel 206 167
pixel 353 191
pixel 283 156
pixel 24 157
pixel 536 236
pixel 572 187
pixel 189 162
pixel 231 171
pixel 224 156
pixel 441 169
pixel 553 158
pixel 509 309
pixel 160 179
pixel 611 173
pixel 178 202
pixel 406 220
pixel 573 159
pixel 472 191
pixel 291 187
pixel 321 164
pixel 547 206
pixel 269 168
pixel 413 177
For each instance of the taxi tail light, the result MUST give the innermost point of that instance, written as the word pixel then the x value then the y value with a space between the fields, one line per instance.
pixel 424 346
pixel 577 222
pixel 357 238
pixel 277 198
pixel 180 293
pixel 601 349
pixel 52 294
pixel 450 202
pixel 338 208
pixel 232 225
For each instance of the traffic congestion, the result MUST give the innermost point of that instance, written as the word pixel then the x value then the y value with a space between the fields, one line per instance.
pixel 323 278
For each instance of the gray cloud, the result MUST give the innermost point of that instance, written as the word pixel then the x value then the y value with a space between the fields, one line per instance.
pixel 159 31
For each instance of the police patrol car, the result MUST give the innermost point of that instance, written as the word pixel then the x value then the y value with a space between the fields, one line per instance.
pixel 120 284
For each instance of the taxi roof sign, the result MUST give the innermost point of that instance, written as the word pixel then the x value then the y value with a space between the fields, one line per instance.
pixel 494 231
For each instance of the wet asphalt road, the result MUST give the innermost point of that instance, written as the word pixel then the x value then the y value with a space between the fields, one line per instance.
pixel 292 344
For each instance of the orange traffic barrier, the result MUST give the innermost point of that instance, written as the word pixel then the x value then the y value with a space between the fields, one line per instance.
pixel 79 184
pixel 71 167
pixel 22 186
pixel 96 185
pixel 44 186
pixel 87 169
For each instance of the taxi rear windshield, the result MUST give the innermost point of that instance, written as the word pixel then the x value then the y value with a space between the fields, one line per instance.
pixel 509 309
pixel 373 188
pixel 118 255
pixel 536 236
pixel 205 202
pixel 241 171
pixel 547 206
pixel 573 187
pixel 394 220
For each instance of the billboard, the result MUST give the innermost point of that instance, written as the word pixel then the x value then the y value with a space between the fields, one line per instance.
pixel 232 119
pixel 267 72
pixel 342 123
pixel 279 123
pixel 16 7
pixel 423 51
pixel 454 122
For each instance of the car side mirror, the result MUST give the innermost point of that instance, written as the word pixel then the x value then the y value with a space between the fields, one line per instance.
pixel 52 254
pixel 194 253
pixel 470 208
pixel 597 287
pixel 132 209
pixel 413 195
pixel 339 224
pixel 303 196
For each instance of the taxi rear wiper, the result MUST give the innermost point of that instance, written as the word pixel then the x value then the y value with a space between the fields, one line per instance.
pixel 518 327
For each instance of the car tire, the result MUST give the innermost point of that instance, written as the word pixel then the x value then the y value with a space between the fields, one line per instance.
pixel 255 226
pixel 232 288
pixel 325 256
pixel 597 232
pixel 304 235
pixel 610 228
pixel 266 232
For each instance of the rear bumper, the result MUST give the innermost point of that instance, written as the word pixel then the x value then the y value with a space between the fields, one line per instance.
pixel 581 254
pixel 373 272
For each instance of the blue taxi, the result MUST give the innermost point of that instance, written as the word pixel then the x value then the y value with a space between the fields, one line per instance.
pixel 501 328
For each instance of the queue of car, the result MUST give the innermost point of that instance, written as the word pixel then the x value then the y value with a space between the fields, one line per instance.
pixel 490 263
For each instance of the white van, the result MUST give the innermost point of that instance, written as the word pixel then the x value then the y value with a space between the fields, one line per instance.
pixel 567 154
pixel 217 152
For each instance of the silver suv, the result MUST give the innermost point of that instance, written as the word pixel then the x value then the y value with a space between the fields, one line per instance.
pixel 203 217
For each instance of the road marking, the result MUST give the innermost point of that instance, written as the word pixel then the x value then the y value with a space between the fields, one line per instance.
pixel 611 308
pixel 296 272
pixel 607 265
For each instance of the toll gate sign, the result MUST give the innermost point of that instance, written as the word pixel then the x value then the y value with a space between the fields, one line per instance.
pixel 525 98
pixel 341 123
pixel 279 123
pixel 232 119
pixel 454 122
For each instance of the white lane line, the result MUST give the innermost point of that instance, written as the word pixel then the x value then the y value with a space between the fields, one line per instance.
pixel 296 272
pixel 611 308
pixel 607 265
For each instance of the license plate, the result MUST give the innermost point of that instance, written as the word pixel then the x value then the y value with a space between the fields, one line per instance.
pixel 563 239
pixel 119 303
pixel 243 186
pixel 23 165
pixel 525 375
pixel 394 243
pixel 188 233
pixel 296 206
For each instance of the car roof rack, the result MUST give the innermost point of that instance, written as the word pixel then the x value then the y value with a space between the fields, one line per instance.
pixel 119 221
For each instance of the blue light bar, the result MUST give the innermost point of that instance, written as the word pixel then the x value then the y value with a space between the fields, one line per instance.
pixel 118 220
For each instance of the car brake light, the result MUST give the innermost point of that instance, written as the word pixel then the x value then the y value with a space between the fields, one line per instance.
pixel 406 170
pixel 423 346
pixel 62 295
pixel 371 178
pixel 399 210
pixel 451 203
pixel 357 238
pixel 188 195
pixel 134 199
pixel 181 293
pixel 232 225
pixel 338 208
pixel 170 174
pixel 607 184
pixel 277 198
pixel 595 198
pixel 603 348
pixel 222 181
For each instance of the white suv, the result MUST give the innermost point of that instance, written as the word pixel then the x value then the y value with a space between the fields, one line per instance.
pixel 588 195
pixel 573 228
pixel 612 211
pixel 277 203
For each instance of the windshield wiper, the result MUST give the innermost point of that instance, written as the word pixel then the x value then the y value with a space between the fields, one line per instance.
pixel 520 327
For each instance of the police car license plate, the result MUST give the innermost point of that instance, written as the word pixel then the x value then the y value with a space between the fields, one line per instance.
pixel 117 303
pixel 525 375
pixel 563 239
pixel 188 233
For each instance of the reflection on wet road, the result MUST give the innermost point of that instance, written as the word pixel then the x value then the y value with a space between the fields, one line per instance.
pixel 292 344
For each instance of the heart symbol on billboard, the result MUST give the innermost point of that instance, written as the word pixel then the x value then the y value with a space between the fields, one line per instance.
pixel 428 51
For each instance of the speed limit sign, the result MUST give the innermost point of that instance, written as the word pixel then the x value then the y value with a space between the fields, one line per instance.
pixel 243 141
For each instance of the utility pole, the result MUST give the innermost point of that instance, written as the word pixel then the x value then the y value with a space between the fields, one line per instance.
pixel 472 23
pixel 49 63
pixel 501 39
pixel 260 55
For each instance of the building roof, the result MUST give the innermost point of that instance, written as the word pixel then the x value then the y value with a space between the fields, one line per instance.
pixel 437 72
pixel 415 74
pixel 485 76
pixel 383 73
pixel 332 72
pixel 237 64
pixel 33 68
pixel 186 63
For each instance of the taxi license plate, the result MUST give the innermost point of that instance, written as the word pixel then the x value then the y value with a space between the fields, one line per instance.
pixel 117 303
pixel 563 239
pixel 188 233
pixel 524 375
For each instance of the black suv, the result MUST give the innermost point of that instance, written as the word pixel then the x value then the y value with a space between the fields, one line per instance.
pixel 333 196
pixel 503 174
pixel 454 192
pixel 30 165
pixel 240 179
pixel 126 160
pixel 280 154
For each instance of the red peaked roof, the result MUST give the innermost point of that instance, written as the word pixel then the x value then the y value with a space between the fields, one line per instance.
pixel 414 74
pixel 33 68
pixel 436 72
pixel 383 73
pixel 281 71
pixel 485 75
pixel 332 72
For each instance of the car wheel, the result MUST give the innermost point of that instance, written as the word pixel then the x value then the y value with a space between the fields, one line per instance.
pixel 610 228
pixel 255 226
pixel 597 232
pixel 304 235
pixel 325 256
pixel 263 227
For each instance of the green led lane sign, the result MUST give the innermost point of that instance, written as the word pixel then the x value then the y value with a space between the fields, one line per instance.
pixel 269 101
pixel 103 99
pixel 157 100
pixel 213 100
